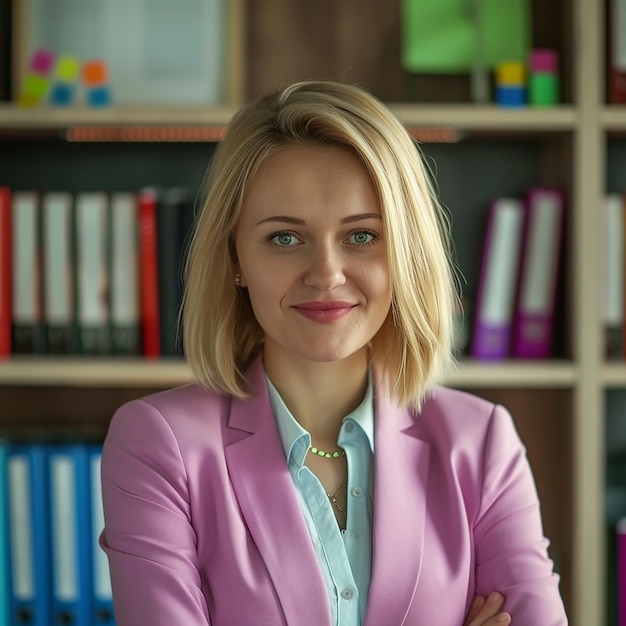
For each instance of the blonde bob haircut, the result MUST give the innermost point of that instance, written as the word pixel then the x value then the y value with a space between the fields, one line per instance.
pixel 412 350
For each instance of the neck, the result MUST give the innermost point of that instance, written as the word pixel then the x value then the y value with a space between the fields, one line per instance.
pixel 320 395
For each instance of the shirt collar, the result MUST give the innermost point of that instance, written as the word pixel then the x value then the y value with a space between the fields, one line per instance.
pixel 291 431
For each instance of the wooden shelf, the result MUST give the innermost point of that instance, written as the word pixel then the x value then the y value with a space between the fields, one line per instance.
pixel 487 118
pixel 83 372
pixel 119 372
pixel 514 375
pixel 613 117
pixel 470 117
pixel 614 375
pixel 13 117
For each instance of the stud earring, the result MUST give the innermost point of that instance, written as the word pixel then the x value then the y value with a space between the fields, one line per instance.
pixel 238 279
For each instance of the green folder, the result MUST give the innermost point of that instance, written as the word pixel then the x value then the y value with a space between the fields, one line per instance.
pixel 456 36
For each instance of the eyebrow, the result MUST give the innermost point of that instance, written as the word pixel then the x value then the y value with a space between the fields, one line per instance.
pixel 288 219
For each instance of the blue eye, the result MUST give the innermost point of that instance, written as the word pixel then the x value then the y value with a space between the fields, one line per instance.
pixel 284 240
pixel 362 237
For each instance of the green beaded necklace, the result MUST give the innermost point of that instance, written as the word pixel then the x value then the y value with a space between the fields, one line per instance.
pixel 327 455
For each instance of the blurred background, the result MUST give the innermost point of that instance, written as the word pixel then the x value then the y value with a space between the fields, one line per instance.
pixel 110 113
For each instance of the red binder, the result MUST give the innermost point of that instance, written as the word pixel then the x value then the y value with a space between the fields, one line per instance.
pixel 149 273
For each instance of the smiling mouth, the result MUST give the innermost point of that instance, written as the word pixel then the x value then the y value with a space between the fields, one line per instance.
pixel 324 312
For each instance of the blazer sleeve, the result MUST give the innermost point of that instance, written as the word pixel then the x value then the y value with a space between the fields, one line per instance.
pixel 148 536
pixel 511 550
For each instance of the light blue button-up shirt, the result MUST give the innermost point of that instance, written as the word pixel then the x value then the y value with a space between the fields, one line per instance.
pixel 345 557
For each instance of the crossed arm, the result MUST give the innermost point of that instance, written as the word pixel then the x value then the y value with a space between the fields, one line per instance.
pixel 487 611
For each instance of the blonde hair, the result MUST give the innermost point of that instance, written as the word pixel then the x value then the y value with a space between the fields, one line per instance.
pixel 413 349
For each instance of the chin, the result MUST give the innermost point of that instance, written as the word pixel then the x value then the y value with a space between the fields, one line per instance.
pixel 326 355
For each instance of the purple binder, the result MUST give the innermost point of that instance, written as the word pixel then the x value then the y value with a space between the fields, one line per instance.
pixel 493 322
pixel 621 572
pixel 541 253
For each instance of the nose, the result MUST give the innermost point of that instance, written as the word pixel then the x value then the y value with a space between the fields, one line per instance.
pixel 325 268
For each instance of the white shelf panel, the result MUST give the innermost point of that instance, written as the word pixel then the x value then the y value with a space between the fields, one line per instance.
pixel 473 117
pixel 464 117
pixel 51 118
pixel 120 372
pixel 613 117
pixel 514 374
pixel 96 372
pixel 614 375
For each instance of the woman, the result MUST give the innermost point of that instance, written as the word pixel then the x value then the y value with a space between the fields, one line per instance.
pixel 316 474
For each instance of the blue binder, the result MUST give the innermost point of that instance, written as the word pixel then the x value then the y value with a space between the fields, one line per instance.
pixel 102 596
pixel 70 526
pixel 4 537
pixel 29 535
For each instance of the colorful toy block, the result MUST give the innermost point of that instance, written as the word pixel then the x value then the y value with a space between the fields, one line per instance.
pixel 511 84
pixel 96 82
pixel 66 75
pixel 543 85
pixel 37 79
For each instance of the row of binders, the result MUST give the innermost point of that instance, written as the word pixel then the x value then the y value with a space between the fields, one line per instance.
pixel 52 570
pixel 100 273
pixel 514 315
pixel 93 273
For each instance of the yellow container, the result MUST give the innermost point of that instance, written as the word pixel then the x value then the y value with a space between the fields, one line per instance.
pixel 510 73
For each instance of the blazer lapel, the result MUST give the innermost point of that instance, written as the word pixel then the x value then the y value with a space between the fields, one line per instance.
pixel 401 474
pixel 272 510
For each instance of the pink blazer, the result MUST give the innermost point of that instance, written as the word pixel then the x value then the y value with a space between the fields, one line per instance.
pixel 203 525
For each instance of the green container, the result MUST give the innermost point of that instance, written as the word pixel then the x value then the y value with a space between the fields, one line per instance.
pixel 543 89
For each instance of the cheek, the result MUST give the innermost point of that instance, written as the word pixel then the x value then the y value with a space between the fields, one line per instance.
pixel 260 276
pixel 379 282
pixel 265 288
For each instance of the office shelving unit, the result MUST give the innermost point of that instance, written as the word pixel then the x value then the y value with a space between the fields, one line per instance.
pixel 558 404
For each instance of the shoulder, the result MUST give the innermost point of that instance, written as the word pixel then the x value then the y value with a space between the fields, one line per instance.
pixel 453 402
pixel 455 407
pixel 185 402
pixel 183 413
pixel 464 421
pixel 178 403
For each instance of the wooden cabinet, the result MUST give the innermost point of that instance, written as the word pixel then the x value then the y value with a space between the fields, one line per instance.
pixel 558 405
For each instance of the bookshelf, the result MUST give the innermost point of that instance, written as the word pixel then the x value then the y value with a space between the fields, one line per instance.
pixel 559 405
pixel 477 118
pixel 114 372
pixel 16 119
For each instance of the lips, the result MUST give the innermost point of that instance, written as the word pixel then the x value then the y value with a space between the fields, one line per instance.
pixel 324 312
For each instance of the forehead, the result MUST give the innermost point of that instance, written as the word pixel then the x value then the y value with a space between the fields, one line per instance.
pixel 311 176
pixel 309 159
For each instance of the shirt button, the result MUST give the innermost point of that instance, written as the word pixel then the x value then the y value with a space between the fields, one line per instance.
pixel 349 427
pixel 357 492
pixel 346 594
